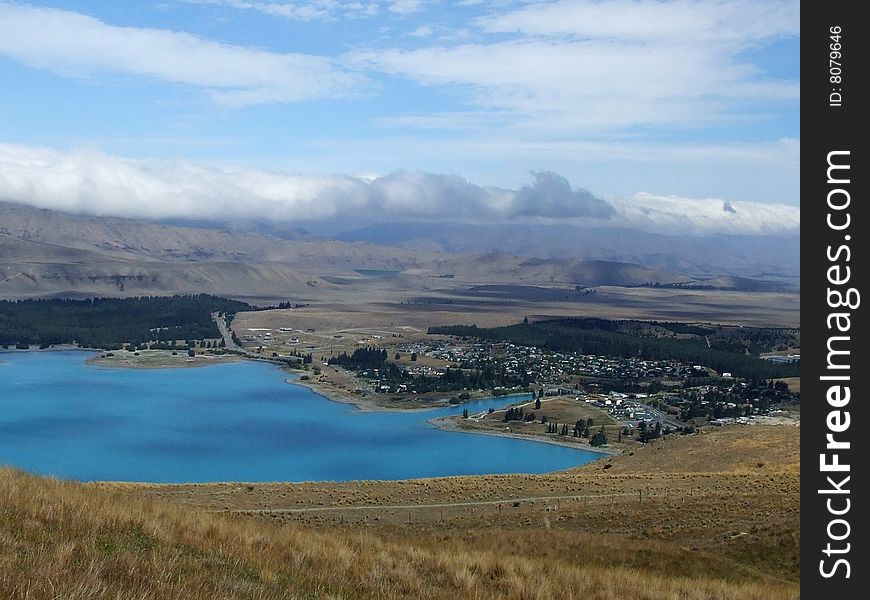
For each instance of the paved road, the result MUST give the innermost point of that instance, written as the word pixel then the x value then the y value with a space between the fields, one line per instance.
pixel 232 346
pixel 664 418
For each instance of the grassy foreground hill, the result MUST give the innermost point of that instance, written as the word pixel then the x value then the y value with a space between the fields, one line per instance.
pixel 66 540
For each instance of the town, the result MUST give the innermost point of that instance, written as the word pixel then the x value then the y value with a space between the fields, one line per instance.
pixel 631 393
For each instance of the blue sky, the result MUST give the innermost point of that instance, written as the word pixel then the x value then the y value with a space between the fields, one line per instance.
pixel 638 101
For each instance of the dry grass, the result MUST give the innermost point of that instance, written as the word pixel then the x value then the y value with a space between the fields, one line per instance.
pixel 793 383
pixel 732 492
pixel 751 449
pixel 386 308
pixel 159 359
pixel 64 540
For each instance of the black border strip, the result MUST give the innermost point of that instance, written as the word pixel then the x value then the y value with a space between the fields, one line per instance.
pixel 832 112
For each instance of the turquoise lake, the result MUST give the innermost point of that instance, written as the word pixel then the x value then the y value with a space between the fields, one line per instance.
pixel 230 422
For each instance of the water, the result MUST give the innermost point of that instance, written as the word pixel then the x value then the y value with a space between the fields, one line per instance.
pixel 230 422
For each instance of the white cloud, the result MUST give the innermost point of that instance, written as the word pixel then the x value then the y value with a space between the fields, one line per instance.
pixel 311 10
pixel 742 22
pixel 406 7
pixel 91 182
pixel 693 216
pixel 319 10
pixel 585 66
pixel 74 44
pixel 445 120
pixel 423 31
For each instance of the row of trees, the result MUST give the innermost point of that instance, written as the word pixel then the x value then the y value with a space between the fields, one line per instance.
pixel 110 322
pixel 579 430
pixel 518 414
pixel 581 426
pixel 362 359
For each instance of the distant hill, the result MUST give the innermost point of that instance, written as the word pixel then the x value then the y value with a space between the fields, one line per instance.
pixel 767 257
pixel 48 253
pixel 283 231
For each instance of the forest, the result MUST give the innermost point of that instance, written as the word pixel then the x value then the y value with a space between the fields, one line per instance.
pixel 110 323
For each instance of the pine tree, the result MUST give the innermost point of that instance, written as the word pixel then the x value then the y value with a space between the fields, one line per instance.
pixel 599 439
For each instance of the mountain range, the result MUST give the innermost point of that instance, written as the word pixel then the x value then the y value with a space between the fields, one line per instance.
pixel 48 253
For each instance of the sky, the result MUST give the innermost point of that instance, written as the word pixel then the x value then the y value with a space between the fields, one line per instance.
pixel 667 116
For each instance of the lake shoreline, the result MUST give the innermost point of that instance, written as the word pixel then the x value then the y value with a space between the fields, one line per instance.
pixel 368 405
pixel 347 398
pixel 159 359
pixel 447 424
pixel 218 401
pixel 163 359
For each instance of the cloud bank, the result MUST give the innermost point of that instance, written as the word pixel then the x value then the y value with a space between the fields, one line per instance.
pixel 91 182
pixel 705 216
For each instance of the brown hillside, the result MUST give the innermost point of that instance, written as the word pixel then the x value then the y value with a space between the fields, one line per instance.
pixel 65 540
pixel 758 450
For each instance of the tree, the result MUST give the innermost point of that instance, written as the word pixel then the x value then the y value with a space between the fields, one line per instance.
pixel 464 413
pixel 397 356
pixel 413 356
pixel 191 352
pixel 599 439
pixel 537 404
pixel 525 320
